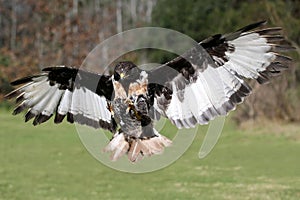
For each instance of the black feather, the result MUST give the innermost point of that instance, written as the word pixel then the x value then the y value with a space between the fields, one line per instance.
pixel 252 26
pixel 70 117
pixel 25 80
pixel 59 118
pixel 40 119
pixel 20 98
pixel 13 94
pixel 29 115
pixel 19 108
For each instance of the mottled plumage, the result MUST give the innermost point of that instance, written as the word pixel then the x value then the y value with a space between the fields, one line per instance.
pixel 205 82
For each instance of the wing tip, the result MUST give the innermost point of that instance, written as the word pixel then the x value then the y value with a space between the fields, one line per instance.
pixel 21 81
pixel 12 94
pixel 253 26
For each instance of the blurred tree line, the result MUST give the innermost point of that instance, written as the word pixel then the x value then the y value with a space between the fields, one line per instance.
pixel 200 19
pixel 35 34
pixel 42 33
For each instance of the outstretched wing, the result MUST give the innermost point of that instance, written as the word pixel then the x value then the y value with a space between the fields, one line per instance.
pixel 208 80
pixel 80 95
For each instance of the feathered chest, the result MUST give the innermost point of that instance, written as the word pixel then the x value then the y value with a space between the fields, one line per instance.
pixel 130 101
pixel 131 89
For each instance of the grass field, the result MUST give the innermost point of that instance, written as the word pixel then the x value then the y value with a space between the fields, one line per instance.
pixel 49 162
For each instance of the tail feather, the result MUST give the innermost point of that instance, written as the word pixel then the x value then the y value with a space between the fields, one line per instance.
pixel 156 145
pixel 136 148
pixel 118 146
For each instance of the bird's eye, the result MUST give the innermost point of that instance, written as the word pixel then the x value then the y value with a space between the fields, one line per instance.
pixel 117 76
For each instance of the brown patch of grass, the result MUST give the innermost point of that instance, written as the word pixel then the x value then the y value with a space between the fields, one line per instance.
pixel 277 128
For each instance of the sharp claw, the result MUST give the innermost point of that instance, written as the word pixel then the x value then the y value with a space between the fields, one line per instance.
pixel 128 101
pixel 128 109
pixel 130 105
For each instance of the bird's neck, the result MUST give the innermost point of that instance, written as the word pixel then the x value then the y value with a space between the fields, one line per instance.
pixel 131 86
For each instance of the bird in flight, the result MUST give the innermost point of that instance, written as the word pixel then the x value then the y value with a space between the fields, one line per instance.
pixel 207 81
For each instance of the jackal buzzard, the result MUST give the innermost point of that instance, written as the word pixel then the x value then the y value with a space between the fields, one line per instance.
pixel 127 102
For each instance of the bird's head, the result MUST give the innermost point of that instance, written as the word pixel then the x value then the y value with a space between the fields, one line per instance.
pixel 124 70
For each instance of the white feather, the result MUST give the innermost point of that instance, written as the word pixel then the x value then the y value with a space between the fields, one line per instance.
pixel 65 103
pixel 42 78
pixel 103 109
pixel 213 85
pixel 53 102
pixel 90 105
pixel 35 86
pixel 248 39
pixel 99 108
pixel 231 83
pixel 38 108
pixel 197 99
pixel 90 110
pixel 36 96
pixel 76 102
pixel 251 55
pixel 23 88
pixel 36 91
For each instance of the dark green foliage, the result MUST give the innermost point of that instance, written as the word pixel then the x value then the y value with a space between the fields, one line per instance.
pixel 201 19
pixel 4 61
pixel 5 86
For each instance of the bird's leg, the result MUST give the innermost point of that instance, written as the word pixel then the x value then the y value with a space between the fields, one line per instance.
pixel 130 105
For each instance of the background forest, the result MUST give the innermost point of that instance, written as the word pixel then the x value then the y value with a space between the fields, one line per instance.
pixel 35 34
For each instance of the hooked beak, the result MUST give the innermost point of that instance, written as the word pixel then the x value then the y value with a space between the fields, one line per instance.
pixel 122 75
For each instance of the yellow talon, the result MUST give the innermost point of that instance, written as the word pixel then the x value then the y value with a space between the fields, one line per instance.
pixel 128 109
pixel 128 101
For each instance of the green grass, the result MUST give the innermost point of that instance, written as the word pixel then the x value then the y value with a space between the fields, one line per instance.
pixel 49 162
